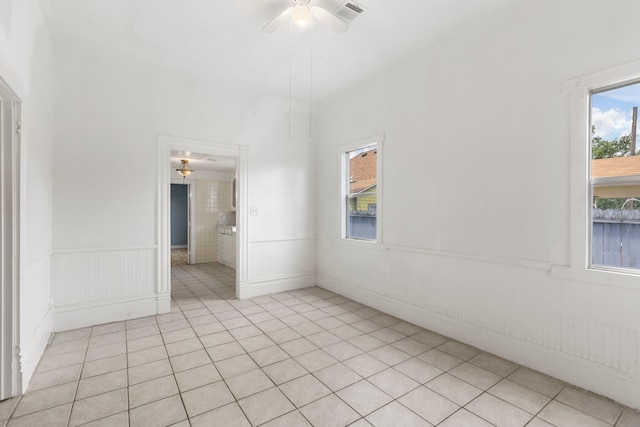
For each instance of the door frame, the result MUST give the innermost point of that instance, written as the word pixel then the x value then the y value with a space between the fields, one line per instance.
pixel 11 378
pixel 166 144
pixel 191 230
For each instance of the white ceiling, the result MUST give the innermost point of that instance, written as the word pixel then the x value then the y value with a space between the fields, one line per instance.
pixel 203 162
pixel 222 39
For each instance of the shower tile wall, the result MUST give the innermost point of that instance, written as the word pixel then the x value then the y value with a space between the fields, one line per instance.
pixel 212 198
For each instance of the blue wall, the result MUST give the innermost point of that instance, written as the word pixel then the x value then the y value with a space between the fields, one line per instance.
pixel 179 214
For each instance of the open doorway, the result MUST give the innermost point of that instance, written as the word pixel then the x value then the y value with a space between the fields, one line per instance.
pixel 218 181
pixel 9 240
pixel 180 224
pixel 203 209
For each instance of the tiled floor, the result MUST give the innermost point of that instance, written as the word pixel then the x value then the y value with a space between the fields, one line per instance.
pixel 179 257
pixel 308 357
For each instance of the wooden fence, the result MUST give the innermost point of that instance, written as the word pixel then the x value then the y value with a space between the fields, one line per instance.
pixel 616 238
pixel 362 225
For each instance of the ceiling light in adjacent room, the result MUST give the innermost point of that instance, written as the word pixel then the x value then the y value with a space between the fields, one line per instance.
pixel 184 169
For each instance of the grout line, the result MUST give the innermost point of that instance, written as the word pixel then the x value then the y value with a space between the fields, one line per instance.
pixel 126 347
pixel 75 395
pixel 214 366
pixel 193 286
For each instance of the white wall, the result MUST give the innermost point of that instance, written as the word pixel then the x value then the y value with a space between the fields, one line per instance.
pixel 26 64
pixel 108 115
pixel 476 193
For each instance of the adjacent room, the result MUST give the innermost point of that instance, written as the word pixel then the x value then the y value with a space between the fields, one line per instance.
pixel 319 213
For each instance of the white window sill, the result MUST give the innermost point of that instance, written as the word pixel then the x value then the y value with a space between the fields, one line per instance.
pixel 615 278
pixel 364 244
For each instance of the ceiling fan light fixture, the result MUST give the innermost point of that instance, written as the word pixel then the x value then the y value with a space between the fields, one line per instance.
pixel 301 15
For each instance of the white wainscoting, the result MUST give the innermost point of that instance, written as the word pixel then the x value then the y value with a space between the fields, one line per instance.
pixel 103 285
pixel 511 308
pixel 278 266
pixel 36 315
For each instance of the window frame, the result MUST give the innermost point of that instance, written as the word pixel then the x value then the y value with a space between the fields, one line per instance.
pixel 343 151
pixel 580 221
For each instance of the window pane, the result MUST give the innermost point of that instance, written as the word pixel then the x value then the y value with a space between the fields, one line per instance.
pixel 361 217
pixel 363 169
pixel 362 202
pixel 615 178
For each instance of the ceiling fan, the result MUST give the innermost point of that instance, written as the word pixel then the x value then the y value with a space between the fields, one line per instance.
pixel 302 14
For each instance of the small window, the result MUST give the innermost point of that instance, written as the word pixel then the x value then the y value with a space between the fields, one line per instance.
pixel 615 178
pixel 361 193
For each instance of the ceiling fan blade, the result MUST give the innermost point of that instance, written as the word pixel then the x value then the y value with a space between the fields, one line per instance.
pixel 330 20
pixel 277 22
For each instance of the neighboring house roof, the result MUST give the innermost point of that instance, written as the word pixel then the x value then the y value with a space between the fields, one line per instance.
pixel 615 167
pixel 370 189
pixel 363 170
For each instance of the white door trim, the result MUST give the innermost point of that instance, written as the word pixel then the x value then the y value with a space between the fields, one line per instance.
pixel 191 231
pixel 165 145
pixel 10 377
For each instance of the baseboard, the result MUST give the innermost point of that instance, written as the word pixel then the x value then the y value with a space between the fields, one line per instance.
pixel 257 288
pixel 30 350
pixel 620 386
pixel 164 302
pixel 115 310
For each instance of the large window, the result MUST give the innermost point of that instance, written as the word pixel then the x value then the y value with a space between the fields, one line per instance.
pixel 615 178
pixel 601 123
pixel 361 166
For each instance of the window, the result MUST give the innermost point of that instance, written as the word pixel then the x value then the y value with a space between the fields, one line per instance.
pixel 361 190
pixel 615 178
pixel 586 180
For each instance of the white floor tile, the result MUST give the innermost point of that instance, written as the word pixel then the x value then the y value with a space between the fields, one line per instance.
pixel 214 360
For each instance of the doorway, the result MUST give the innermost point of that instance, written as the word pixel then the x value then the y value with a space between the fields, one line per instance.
pixel 9 240
pixel 167 144
pixel 180 224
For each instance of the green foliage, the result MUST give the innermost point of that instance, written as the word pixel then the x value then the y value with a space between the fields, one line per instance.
pixel 614 203
pixel 603 149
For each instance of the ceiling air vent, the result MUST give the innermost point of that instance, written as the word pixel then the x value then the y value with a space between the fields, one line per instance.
pixel 349 11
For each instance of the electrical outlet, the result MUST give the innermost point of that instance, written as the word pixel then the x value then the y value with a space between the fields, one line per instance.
pixel 253 210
